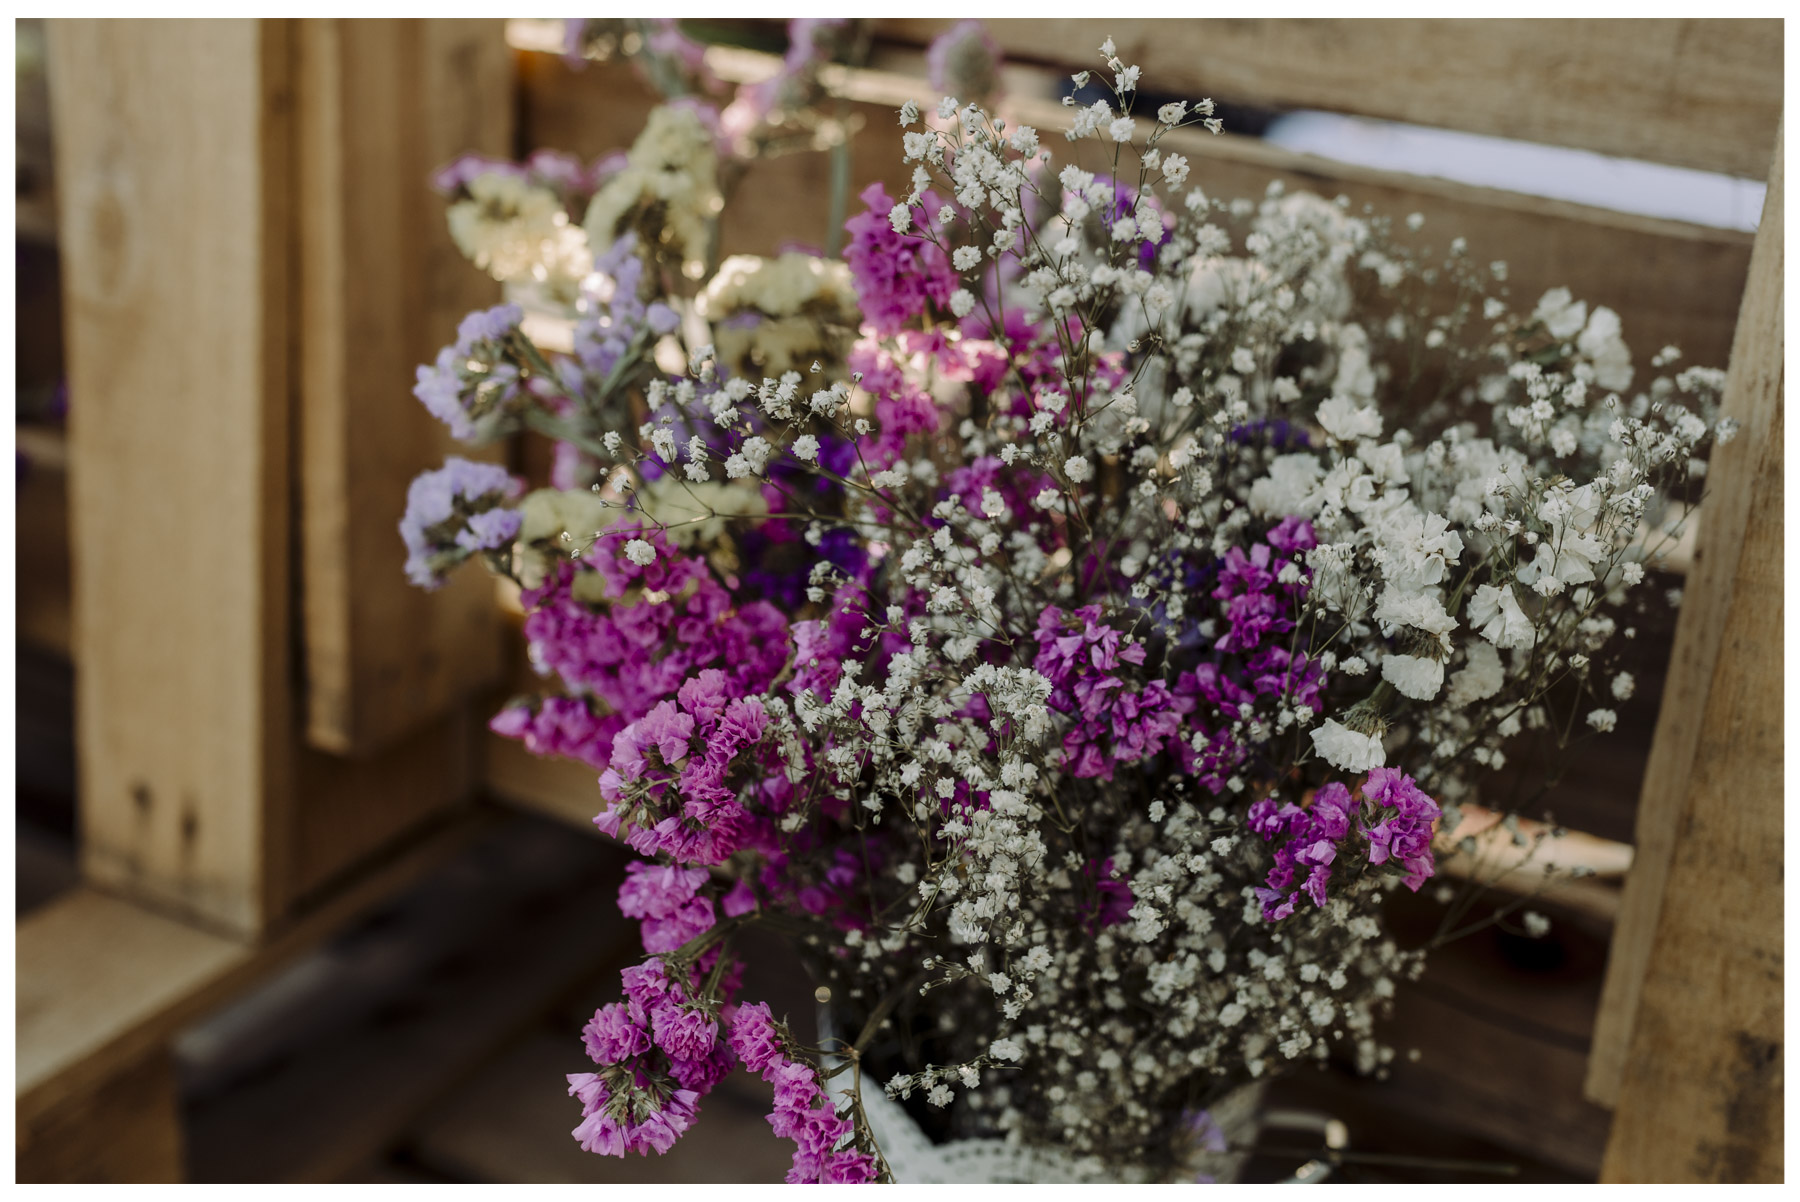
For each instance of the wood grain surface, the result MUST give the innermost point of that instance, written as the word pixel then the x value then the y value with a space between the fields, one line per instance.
pixel 1694 93
pixel 1694 987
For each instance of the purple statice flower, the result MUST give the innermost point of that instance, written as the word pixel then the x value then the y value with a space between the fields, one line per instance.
pixel 964 62
pixel 751 1034
pixel 684 1032
pixel 667 901
pixel 453 513
pixel 490 529
pixel 1313 837
pixel 473 386
pixel 895 274
pixel 560 726
pixel 739 900
pixel 647 1121
pixel 616 313
pixel 702 1074
pixel 630 656
pixel 648 984
pixel 802 1112
pixel 1292 679
pixel 1403 834
pixel 618 1032
pixel 1113 896
pixel 1277 433
pixel 1292 535
pixel 685 806
pixel 1254 605
pixel 1113 723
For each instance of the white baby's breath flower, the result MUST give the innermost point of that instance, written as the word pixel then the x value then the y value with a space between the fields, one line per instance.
pixel 1480 679
pixel 966 257
pixel 1495 613
pixel 1346 749
pixel 1345 421
pixel 1078 469
pixel 640 552
pixel 1415 676
pixel 1623 686
pixel 1602 720
pixel 806 447
pixel 1005 1049
pixel 1122 129
pixel 900 217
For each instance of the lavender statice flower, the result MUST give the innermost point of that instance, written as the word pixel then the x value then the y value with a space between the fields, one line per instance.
pixel 964 62
pixel 614 314
pixel 454 513
pixel 474 384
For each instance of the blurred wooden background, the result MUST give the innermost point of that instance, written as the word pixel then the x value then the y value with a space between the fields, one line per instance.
pixel 311 932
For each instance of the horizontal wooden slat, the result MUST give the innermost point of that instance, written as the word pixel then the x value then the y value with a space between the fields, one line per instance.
pixel 1670 282
pixel 1690 92
pixel 124 1132
pixel 103 981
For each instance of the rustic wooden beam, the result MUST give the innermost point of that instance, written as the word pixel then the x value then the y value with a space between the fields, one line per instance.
pixel 381 287
pixel 1690 1041
pixel 1739 480
pixel 1693 93
pixel 172 143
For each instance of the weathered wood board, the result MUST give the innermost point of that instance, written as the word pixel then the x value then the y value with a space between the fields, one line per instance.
pixel 1691 92
pixel 1690 1042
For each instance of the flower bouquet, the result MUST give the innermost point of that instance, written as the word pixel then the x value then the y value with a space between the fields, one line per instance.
pixel 1065 616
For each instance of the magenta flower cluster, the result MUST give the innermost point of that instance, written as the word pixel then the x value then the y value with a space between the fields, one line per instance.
pixel 1256 602
pixel 659 1053
pixel 665 621
pixel 1114 724
pixel 896 275
pixel 666 784
pixel 803 1111
pixel 1402 835
pixel 1313 837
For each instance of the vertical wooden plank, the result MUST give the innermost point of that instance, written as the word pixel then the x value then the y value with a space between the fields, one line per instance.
pixel 1701 1089
pixel 172 149
pixel 1742 473
pixel 383 102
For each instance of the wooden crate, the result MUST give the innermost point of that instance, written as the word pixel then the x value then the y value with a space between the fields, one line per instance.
pixel 273 724
pixel 1716 105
